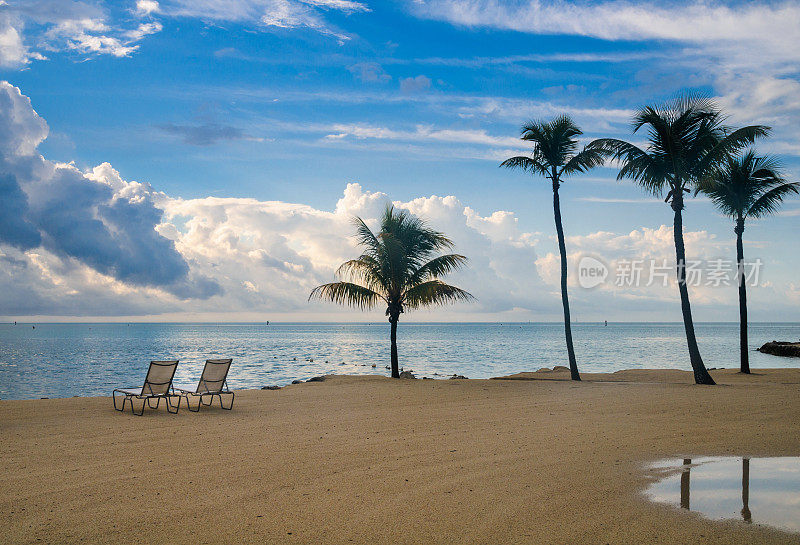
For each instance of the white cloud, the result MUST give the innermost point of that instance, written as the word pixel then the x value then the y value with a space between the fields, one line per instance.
pixel 760 24
pixel 287 14
pixel 13 53
pixel 146 7
pixel 422 133
pixel 91 243
pixel 749 49
pixel 67 25
pixel 93 220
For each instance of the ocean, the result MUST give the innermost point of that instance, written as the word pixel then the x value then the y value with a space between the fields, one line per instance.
pixel 63 360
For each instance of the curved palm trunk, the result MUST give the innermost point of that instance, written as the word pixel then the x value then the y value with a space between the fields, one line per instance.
pixel 743 351
pixel 701 375
pixel 573 366
pixel 395 364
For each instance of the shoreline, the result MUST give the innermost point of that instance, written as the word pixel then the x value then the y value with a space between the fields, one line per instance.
pixel 368 459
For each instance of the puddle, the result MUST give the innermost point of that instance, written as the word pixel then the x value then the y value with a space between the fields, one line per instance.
pixel 754 490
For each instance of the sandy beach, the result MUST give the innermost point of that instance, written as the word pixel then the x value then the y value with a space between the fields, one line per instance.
pixel 375 460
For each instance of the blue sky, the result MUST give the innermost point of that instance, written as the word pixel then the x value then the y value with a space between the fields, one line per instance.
pixel 280 104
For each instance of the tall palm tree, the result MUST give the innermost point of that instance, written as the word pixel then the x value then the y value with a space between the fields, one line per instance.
pixel 399 268
pixel 746 187
pixel 686 140
pixel 554 156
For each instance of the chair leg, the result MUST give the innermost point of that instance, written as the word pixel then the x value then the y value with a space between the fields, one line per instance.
pixel 189 406
pixel 169 405
pixel 141 412
pixel 150 402
pixel 114 398
pixel 202 400
pixel 229 407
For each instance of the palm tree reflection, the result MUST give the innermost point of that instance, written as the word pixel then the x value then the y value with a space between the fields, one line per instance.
pixel 685 485
pixel 746 490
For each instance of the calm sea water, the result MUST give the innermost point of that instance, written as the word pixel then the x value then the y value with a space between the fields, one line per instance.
pixel 62 360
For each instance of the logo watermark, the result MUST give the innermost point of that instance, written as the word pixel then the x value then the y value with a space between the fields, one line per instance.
pixel 593 271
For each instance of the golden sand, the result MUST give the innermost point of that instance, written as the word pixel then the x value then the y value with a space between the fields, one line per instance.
pixel 375 460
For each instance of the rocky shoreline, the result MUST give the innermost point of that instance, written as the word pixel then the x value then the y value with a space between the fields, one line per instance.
pixel 781 348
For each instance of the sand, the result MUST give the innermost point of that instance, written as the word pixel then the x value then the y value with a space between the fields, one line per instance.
pixel 375 460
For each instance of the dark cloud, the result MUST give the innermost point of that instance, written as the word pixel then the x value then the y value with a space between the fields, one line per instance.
pixel 14 226
pixel 106 224
pixel 205 134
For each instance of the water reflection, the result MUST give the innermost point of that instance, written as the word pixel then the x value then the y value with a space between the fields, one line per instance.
pixel 712 486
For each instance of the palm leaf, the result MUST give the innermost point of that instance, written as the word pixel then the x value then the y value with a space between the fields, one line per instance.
pixel 770 201
pixel 434 292
pixel 346 293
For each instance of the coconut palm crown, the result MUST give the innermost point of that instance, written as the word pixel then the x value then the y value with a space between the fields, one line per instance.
pixel 554 156
pixel 744 187
pixel 399 268
pixel 687 141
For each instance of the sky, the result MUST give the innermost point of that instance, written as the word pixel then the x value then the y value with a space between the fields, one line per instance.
pixel 201 160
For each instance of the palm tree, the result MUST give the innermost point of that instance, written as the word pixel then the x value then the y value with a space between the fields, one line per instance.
pixel 555 155
pixel 746 187
pixel 686 140
pixel 399 268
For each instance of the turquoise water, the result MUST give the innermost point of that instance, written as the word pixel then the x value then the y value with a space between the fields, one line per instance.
pixel 62 360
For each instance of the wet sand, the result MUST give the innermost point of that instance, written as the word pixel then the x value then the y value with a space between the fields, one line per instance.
pixel 375 460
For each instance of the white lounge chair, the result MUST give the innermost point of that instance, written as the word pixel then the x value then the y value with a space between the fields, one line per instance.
pixel 213 382
pixel 157 385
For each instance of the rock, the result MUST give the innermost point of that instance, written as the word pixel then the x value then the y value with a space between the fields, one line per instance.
pixel 316 379
pixel 460 377
pixel 781 348
pixel 272 387
pixel 297 381
pixel 407 374
pixel 560 368
pixel 544 370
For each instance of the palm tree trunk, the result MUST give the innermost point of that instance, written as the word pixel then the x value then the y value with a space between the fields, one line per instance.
pixel 573 366
pixel 395 362
pixel 743 351
pixel 701 375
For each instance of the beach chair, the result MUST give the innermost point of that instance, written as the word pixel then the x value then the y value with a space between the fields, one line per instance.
pixel 157 386
pixel 213 382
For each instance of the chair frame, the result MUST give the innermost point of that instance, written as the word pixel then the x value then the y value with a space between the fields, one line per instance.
pixel 147 398
pixel 223 390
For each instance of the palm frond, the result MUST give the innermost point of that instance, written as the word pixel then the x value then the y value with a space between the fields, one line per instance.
pixel 725 147
pixel 434 292
pixel 747 186
pixel 438 266
pixel 637 164
pixel 770 201
pixel 587 159
pixel 365 270
pixel 365 236
pixel 347 293
pixel 528 164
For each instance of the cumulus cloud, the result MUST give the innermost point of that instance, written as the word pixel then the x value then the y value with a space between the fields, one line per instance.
pixel 146 7
pixel 95 219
